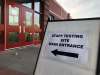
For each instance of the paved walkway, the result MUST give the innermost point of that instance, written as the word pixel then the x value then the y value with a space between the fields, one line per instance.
pixel 6 71
pixel 18 61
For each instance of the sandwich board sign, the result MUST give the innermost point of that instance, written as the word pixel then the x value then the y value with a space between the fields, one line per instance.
pixel 70 48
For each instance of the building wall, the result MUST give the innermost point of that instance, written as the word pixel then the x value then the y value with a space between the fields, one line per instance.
pixel 50 8
pixel 57 10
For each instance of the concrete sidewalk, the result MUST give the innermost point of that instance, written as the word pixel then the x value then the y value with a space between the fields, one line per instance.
pixel 19 61
pixel 6 71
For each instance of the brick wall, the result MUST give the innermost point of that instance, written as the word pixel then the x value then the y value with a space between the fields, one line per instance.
pixel 51 7
pixel 57 10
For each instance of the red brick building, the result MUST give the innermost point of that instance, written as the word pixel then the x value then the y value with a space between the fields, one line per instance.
pixel 57 11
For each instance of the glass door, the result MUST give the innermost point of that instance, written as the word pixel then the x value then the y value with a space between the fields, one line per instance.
pixel 28 25
pixel 20 26
pixel 14 26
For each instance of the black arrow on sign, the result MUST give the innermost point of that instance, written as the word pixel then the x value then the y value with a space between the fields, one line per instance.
pixel 56 52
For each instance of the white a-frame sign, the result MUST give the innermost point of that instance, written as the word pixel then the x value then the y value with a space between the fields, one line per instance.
pixel 70 48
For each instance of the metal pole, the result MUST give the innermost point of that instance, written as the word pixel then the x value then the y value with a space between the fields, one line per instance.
pixel 5 23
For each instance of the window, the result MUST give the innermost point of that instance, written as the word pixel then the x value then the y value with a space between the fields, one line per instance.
pixel 37 14
pixel 36 36
pixel 13 15
pixel 28 18
pixel 37 19
pixel 51 17
pixel 29 5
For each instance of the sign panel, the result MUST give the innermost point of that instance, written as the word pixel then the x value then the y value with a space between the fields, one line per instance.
pixel 69 48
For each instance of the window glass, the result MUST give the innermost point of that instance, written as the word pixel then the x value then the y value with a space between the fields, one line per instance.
pixel 16 19
pixel 11 20
pixel 36 36
pixel 13 15
pixel 37 6
pixel 51 17
pixel 29 5
pixel 37 14
pixel 28 20
pixel 37 19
